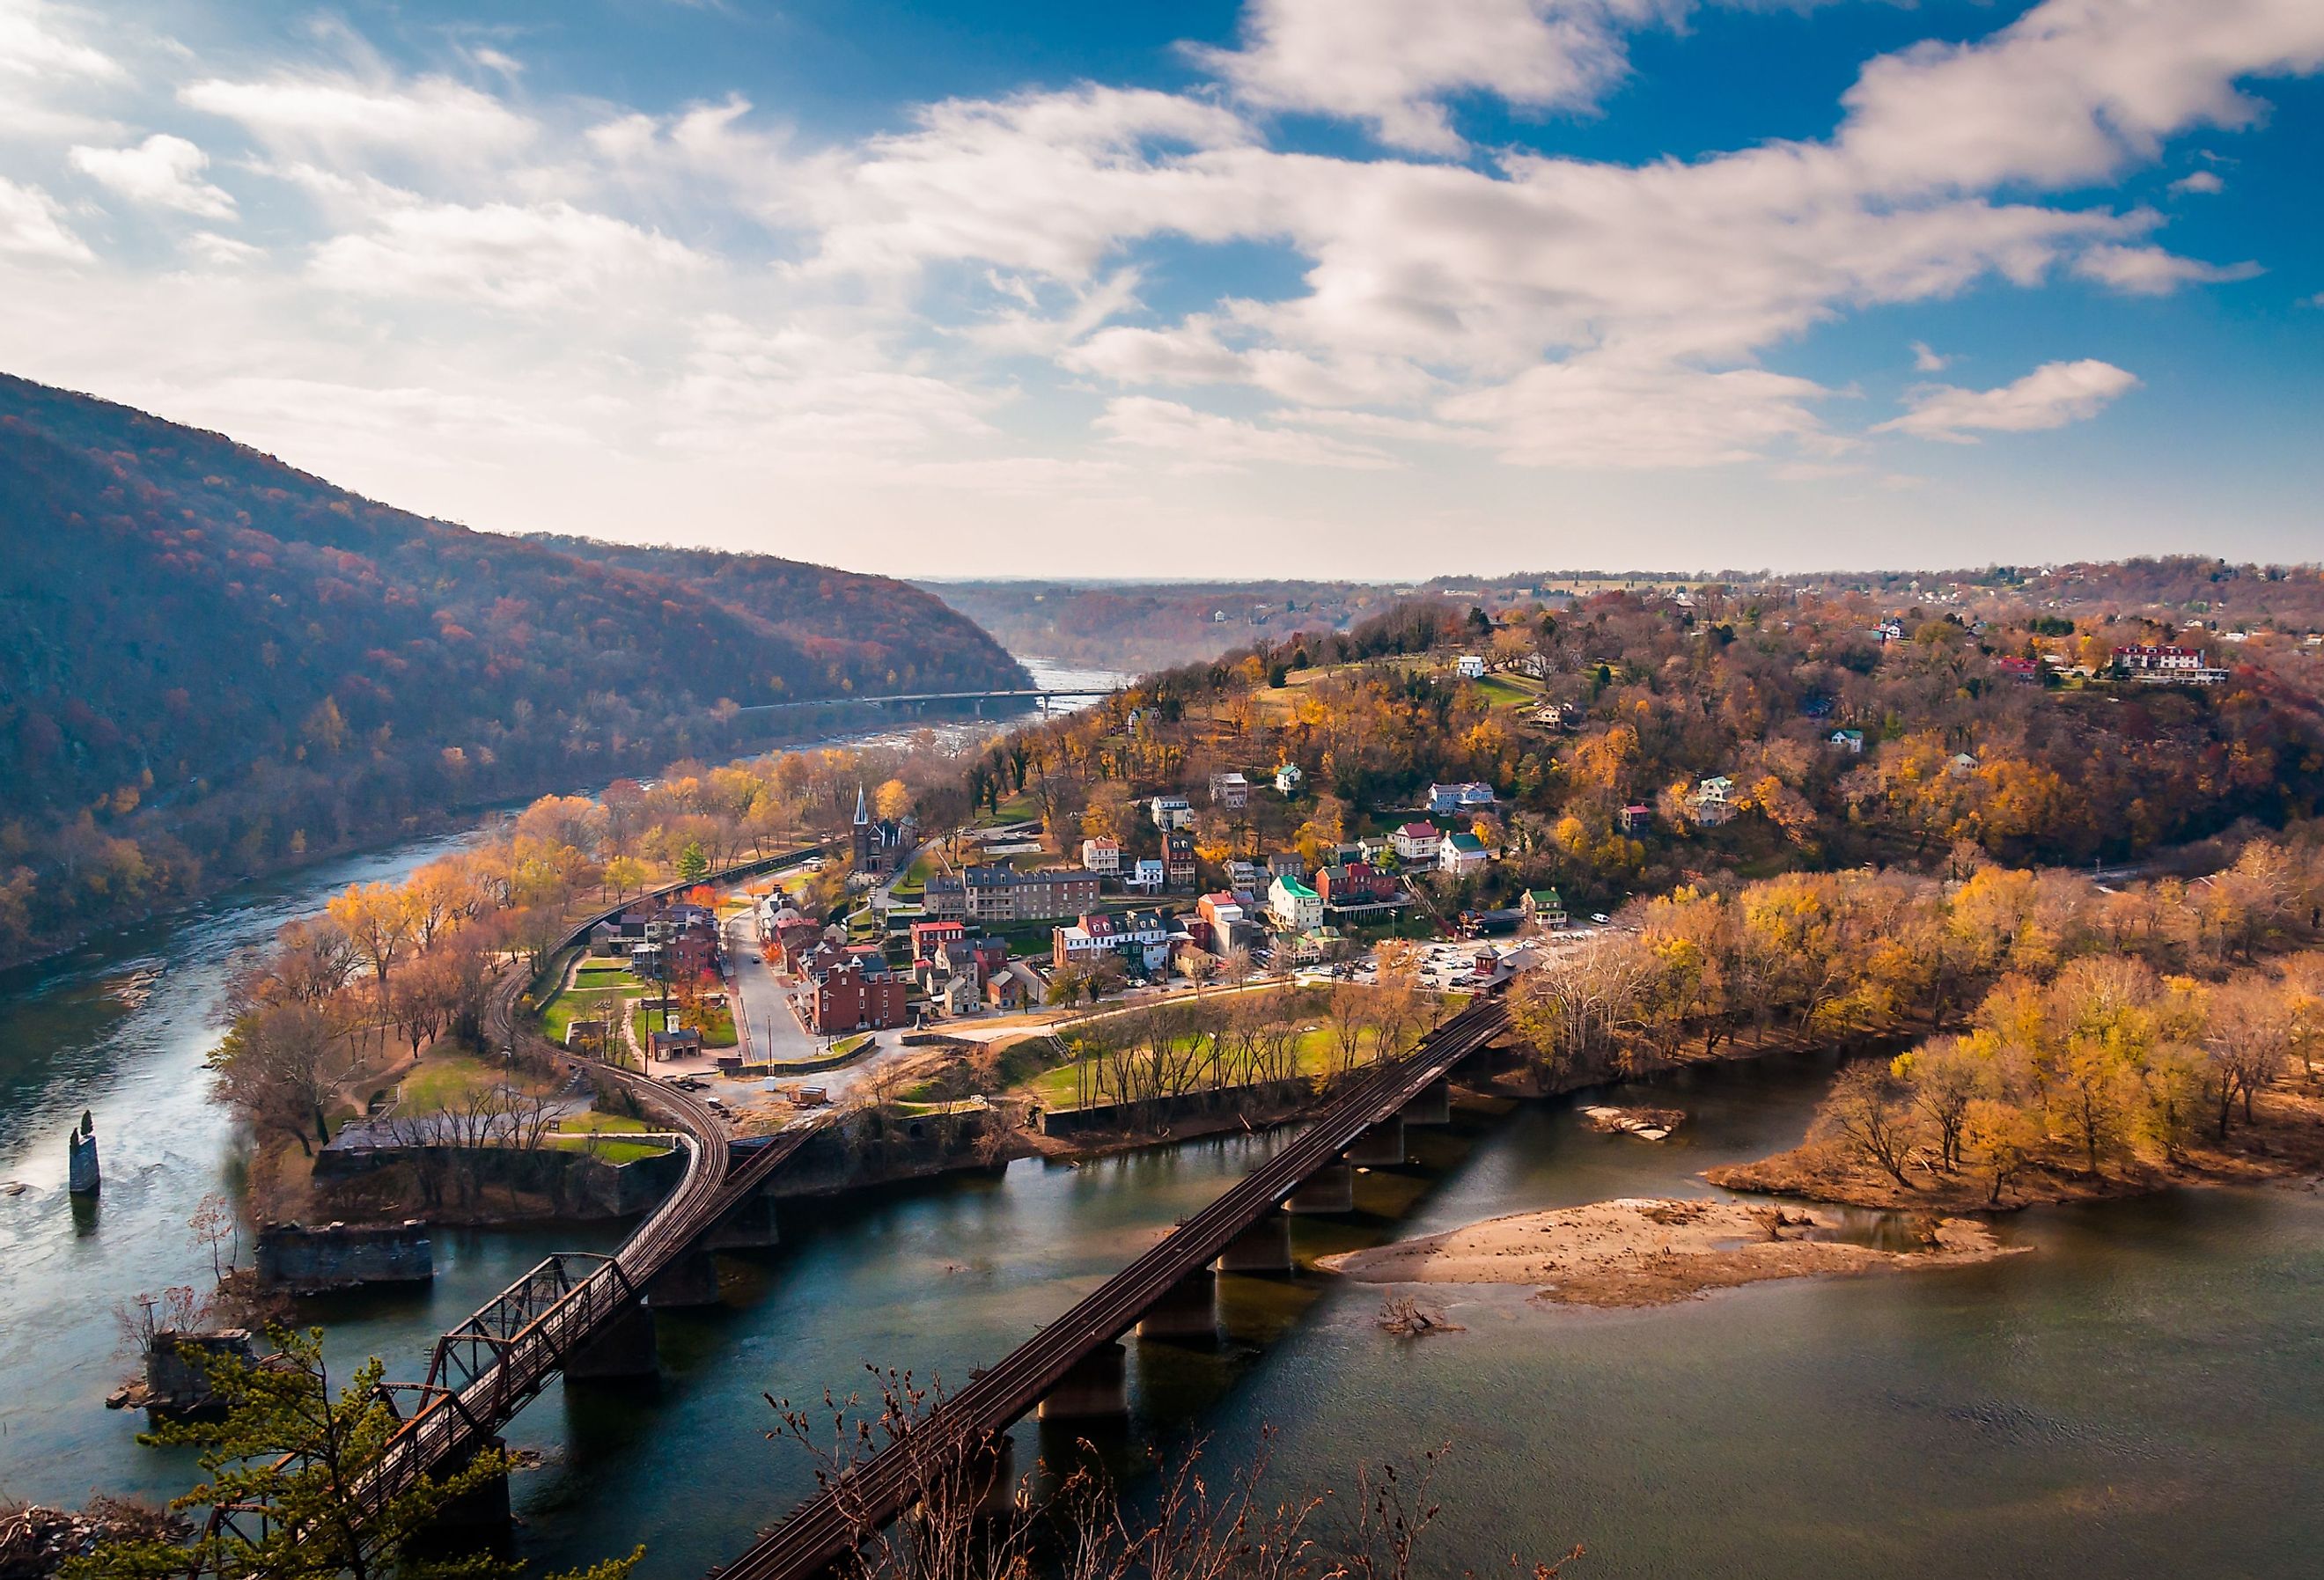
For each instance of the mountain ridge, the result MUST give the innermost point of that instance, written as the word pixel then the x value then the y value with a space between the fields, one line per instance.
pixel 212 662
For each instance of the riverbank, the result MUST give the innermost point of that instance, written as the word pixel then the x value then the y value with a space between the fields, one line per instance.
pixel 1652 1251
pixel 2283 1142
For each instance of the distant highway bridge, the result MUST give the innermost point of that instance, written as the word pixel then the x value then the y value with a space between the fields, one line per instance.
pixel 1044 696
pixel 1242 1230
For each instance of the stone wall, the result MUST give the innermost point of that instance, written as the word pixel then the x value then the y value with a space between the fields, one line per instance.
pixel 496 1184
pixel 871 1147
pixel 343 1256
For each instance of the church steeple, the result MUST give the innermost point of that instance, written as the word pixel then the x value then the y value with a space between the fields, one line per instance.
pixel 862 813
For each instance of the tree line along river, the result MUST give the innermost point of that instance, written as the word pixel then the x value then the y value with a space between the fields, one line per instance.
pixel 2142 1395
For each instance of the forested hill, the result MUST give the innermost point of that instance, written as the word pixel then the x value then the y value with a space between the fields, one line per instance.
pixel 211 662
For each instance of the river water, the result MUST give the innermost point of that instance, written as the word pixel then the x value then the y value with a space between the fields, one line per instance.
pixel 2139 1396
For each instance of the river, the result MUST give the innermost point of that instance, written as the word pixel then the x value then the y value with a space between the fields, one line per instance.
pixel 2138 1396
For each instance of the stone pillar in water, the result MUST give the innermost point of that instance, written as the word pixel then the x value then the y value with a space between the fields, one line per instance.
pixel 81 1176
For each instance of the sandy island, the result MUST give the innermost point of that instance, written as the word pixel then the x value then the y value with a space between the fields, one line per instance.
pixel 1648 1251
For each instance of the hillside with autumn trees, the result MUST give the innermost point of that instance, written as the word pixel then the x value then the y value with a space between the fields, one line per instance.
pixel 1848 729
pixel 215 664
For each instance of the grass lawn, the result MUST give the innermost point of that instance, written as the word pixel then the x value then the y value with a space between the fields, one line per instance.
pixel 1319 1054
pixel 1502 690
pixel 718 1029
pixel 594 1123
pixel 443 1081
pixel 847 1045
pixel 614 1152
pixel 558 1015
pixel 607 976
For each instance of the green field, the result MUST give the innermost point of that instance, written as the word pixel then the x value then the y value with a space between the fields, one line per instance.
pixel 446 1080
pixel 1056 1089
pixel 558 1015
pixel 614 1152
pixel 595 1123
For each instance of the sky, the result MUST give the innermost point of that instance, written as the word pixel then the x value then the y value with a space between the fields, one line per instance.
pixel 1371 289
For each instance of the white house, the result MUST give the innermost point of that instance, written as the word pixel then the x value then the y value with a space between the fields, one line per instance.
pixel 1286 780
pixel 1102 856
pixel 1848 740
pixel 1170 812
pixel 1474 796
pixel 1469 667
pixel 1460 855
pixel 1148 874
pixel 1417 843
pixel 1711 802
pixel 1295 908
pixel 1229 790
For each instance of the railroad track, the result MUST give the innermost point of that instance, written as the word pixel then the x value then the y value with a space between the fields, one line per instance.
pixel 835 1521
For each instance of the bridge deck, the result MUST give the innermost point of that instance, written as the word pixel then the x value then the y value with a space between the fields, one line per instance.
pixel 833 1522
pixel 450 1423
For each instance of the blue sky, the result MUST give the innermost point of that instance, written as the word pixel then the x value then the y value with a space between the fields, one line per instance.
pixel 1291 287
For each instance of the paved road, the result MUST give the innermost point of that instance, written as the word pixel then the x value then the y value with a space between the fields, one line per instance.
pixel 775 1035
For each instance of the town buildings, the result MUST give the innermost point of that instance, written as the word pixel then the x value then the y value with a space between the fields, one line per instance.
pixel 879 845
pixel 993 893
pixel 1469 667
pixel 1415 843
pixel 1544 908
pixel 1446 801
pixel 1460 854
pixel 1178 858
pixel 1103 856
pixel 1294 906
pixel 1709 801
pixel 1229 790
pixel 1169 812
pixel 1286 780
pixel 856 993
pixel 1148 874
pixel 1356 884
pixel 2168 666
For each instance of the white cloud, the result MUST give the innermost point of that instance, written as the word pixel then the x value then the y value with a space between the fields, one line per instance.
pixel 222 252
pixel 2152 271
pixel 2204 182
pixel 1391 62
pixel 2073 91
pixel 33 225
pixel 345 121
pixel 1206 440
pixel 541 255
pixel 37 40
pixel 2052 396
pixel 1927 361
pixel 1045 183
pixel 163 172
pixel 1598 412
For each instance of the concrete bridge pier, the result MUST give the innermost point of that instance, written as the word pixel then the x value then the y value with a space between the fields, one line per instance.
pixel 1433 1106
pixel 1330 1189
pixel 691 1281
pixel 1380 1146
pixel 750 1226
pixel 622 1351
pixel 1188 1309
pixel 1097 1386
pixel 1263 1248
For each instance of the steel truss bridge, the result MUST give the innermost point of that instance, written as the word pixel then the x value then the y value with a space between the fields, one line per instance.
pixel 489 1367
pixel 840 1518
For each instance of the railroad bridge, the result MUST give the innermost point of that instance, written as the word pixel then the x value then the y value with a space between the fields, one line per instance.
pixel 1076 1364
pixel 582 1317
